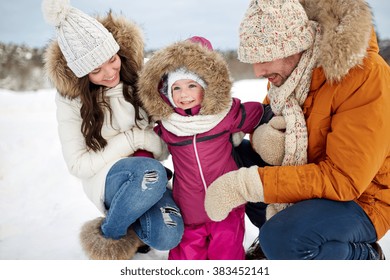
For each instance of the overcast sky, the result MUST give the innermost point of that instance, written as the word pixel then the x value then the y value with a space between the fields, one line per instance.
pixel 162 22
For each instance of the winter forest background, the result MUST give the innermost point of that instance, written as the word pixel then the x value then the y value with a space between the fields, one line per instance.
pixel 21 67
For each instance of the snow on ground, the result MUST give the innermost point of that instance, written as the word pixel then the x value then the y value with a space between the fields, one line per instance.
pixel 43 207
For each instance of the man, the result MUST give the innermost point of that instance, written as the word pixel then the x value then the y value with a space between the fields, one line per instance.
pixel 333 90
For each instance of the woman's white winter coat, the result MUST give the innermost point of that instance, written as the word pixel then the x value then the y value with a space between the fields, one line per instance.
pixel 92 167
pixel 122 136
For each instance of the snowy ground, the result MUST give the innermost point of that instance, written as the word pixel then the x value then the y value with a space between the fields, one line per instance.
pixel 41 206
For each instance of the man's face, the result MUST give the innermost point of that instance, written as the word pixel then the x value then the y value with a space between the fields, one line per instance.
pixel 277 71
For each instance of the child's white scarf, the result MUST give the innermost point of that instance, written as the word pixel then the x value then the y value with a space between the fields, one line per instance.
pixel 191 125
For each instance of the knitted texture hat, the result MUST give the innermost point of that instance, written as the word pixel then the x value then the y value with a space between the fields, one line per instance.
pixel 182 74
pixel 85 43
pixel 273 29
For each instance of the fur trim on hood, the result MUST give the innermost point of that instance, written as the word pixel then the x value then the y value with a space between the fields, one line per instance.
pixel 346 27
pixel 126 33
pixel 207 64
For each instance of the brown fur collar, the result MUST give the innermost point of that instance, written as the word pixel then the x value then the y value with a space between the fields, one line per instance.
pixel 126 33
pixel 208 65
pixel 346 27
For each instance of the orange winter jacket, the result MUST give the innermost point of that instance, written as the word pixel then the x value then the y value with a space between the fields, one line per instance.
pixel 348 143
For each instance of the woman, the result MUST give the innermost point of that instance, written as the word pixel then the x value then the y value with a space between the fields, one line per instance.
pixel 105 134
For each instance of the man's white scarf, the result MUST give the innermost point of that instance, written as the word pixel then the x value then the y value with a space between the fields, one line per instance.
pixel 191 125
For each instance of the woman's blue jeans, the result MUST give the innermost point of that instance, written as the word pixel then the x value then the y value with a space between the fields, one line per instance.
pixel 319 229
pixel 136 195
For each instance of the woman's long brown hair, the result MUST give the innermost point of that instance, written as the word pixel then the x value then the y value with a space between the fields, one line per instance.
pixel 94 103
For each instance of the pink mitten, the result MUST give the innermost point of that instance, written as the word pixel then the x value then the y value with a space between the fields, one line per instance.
pixel 268 140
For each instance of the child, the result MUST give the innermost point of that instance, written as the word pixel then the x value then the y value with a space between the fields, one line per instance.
pixel 186 88
pixel 94 65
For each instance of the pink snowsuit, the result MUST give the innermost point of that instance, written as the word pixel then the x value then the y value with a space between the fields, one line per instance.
pixel 201 152
pixel 198 160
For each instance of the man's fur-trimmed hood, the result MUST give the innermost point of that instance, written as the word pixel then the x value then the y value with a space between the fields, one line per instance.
pixel 207 64
pixel 126 33
pixel 346 27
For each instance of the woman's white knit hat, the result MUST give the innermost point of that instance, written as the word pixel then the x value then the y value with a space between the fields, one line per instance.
pixel 85 43
pixel 273 29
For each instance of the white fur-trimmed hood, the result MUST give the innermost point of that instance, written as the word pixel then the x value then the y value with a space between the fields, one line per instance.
pixel 207 64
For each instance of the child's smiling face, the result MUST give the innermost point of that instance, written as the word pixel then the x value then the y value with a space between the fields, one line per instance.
pixel 187 93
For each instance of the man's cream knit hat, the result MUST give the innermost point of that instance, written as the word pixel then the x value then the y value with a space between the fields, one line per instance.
pixel 273 29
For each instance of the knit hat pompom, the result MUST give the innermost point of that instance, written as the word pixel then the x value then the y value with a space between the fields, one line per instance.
pixel 182 74
pixel 274 29
pixel 55 11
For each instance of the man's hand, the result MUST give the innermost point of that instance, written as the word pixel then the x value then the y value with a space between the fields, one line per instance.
pixel 231 190
pixel 268 140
